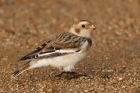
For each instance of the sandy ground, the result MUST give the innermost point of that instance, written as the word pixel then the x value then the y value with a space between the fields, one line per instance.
pixel 112 66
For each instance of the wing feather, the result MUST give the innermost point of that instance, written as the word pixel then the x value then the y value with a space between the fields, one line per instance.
pixel 37 50
pixel 65 43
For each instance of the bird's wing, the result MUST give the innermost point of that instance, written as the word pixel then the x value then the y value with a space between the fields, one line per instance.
pixel 62 44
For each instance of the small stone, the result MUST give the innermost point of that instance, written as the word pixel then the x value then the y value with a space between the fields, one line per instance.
pixel 1 91
pixel 4 59
pixel 120 78
pixel 49 91
pixel 118 33
pixel 123 86
pixel 91 76
pixel 81 78
pixel 114 81
pixel 122 70
pixel 26 86
pixel 110 71
pixel 57 78
pixel 85 91
pixel 104 75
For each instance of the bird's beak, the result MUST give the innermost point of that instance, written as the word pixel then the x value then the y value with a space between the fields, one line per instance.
pixel 92 27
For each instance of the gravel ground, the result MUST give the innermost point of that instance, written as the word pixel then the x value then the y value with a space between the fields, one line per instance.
pixel 112 66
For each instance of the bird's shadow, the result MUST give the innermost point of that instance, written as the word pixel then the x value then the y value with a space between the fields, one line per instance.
pixel 70 75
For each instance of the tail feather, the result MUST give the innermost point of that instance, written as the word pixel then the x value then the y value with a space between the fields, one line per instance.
pixel 18 72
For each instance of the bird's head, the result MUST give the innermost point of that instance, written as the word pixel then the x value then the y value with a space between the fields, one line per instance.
pixel 82 28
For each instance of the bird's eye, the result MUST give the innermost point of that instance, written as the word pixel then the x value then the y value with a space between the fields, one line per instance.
pixel 83 26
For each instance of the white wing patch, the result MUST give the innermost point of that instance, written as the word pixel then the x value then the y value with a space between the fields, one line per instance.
pixel 67 51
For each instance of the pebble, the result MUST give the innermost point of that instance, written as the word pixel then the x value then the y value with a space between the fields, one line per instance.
pixel 85 91
pixel 57 78
pixel 1 91
pixel 123 86
pixel 4 59
pixel 110 71
pixel 91 76
pixel 104 75
pixel 120 78
pixel 114 81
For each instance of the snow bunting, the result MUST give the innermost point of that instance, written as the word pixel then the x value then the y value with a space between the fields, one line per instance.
pixel 62 51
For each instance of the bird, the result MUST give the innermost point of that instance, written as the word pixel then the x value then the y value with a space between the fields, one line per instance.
pixel 62 51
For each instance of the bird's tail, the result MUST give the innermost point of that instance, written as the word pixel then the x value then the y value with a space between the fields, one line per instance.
pixel 21 70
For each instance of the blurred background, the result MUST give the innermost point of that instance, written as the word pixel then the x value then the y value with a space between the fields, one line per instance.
pixel 113 63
